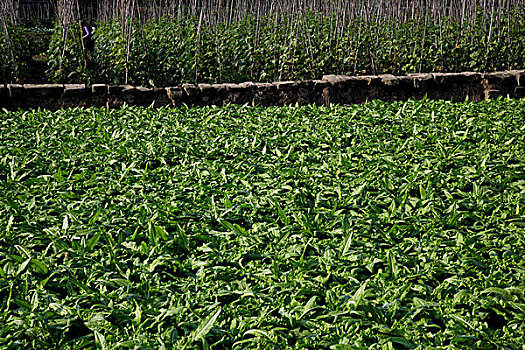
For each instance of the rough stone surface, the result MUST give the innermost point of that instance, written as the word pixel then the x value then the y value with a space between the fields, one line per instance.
pixel 339 81
pixel 43 90
pixel 456 78
pixel 16 96
pixel 99 89
pixel 4 95
pixel 420 80
pixel 74 90
pixel 320 84
pixel 160 96
pixel 331 78
pixel 117 89
pixel 265 87
pixel 389 79
pixel 371 80
pixel 518 75
pixel 138 95
pixel 232 87
pixel 77 95
pixel 330 89
pixel 519 91
pixel 285 85
pixel 490 94
pixel 247 85
pixel 191 90
pixel 220 88
pixel 15 90
pixel 43 95
pixel 205 88
pixel 175 93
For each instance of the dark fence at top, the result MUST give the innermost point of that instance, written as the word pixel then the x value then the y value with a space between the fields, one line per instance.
pixel 36 9
pixel 47 10
pixel 226 11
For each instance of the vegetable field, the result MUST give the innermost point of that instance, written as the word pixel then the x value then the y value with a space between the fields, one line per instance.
pixel 294 43
pixel 169 43
pixel 379 226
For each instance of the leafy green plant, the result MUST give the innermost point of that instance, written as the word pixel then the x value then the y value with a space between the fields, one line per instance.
pixel 15 54
pixel 370 226
pixel 290 46
pixel 67 59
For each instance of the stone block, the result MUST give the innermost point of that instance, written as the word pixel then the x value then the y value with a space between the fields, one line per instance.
pixel 519 91
pixel 128 89
pixel 492 94
pixel 504 81
pixel 115 90
pixel 421 80
pixel 206 88
pixel 389 79
pixel 326 95
pixel 97 95
pixel 128 95
pixel 99 89
pixel 320 84
pixel 220 88
pixel 232 87
pixel 4 96
pixel 74 90
pixel 144 96
pixel 160 96
pixel 304 84
pixel 191 90
pixel 456 78
pixel 497 76
pixel 285 85
pixel 472 76
pixel 247 85
pixel 119 95
pixel 331 78
pixel 405 81
pixel 370 80
pixel 135 95
pixel 340 81
pixel 143 91
pixel 265 87
pixel 518 75
pixel 175 93
pixel 44 91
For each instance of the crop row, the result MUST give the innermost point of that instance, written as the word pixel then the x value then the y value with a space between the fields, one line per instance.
pixel 371 226
pixel 269 49
pixel 267 44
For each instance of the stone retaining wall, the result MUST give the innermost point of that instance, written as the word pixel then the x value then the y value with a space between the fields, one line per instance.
pixel 330 89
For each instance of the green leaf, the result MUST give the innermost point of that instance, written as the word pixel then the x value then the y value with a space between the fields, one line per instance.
pixel 347 244
pixel 100 340
pixel 359 295
pixel 205 326
pixel 392 265
pixel 40 266
pixel 257 333
pixel 161 233
pixel 23 266
pixel 94 240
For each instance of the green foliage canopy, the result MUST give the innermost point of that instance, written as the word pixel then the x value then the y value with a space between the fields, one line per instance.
pixel 281 47
pixel 365 227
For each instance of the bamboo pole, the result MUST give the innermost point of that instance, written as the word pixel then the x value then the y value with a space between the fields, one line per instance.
pixel 8 19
